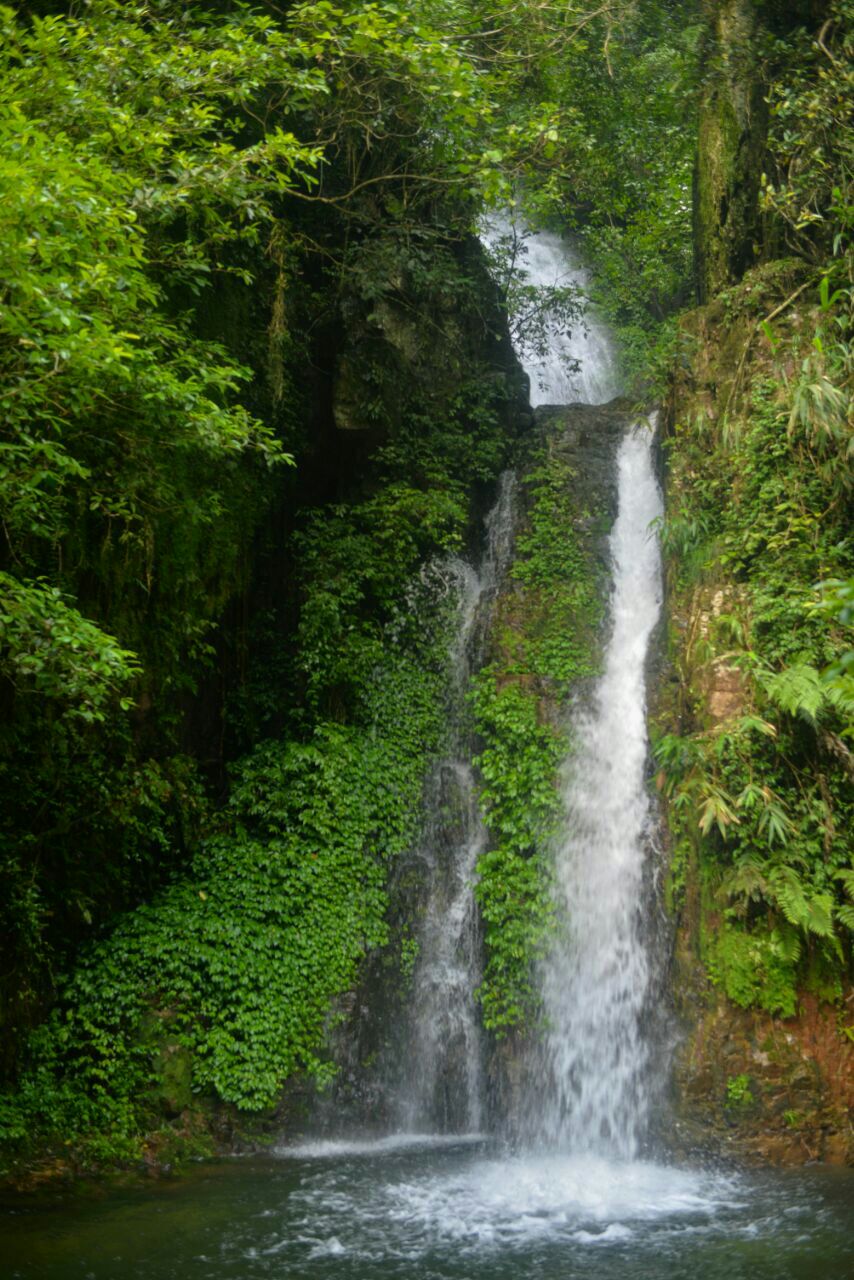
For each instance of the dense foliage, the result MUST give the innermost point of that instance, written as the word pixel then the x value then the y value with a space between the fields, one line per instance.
pixel 230 971
pixel 758 534
pixel 630 172
pixel 761 547
pixel 614 166
pixel 130 463
pixel 806 191
pixel 193 198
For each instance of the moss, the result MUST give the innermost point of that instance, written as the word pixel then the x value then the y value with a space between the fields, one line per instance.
pixel 732 129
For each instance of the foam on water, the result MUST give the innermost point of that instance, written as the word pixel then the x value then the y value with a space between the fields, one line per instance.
pixel 532 1195
pixel 389 1144
pixel 498 1204
pixel 441 1212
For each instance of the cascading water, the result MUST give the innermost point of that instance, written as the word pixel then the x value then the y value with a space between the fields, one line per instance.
pixel 443 1088
pixel 580 366
pixel 443 1081
pixel 596 977
pixel 586 1082
pixel 589 1087
pixel 576 367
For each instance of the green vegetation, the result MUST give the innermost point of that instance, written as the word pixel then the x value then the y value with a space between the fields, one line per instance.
pixel 521 807
pixel 230 972
pixel 130 464
pixel 806 187
pixel 758 532
pixel 179 263
pixel 546 629
pixel 738 1091
pixel 237 963
pixel 630 100
pixel 614 166
pixel 555 567
pixel 256 384
pixel 761 567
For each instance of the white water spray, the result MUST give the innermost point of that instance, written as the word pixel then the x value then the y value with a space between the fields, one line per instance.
pixel 590 1095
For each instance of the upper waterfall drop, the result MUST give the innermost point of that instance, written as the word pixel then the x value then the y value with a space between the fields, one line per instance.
pixel 579 366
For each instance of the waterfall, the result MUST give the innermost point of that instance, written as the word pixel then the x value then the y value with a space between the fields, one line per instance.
pixel 595 981
pixel 588 1091
pixel 443 1086
pixel 575 367
pixel 585 1082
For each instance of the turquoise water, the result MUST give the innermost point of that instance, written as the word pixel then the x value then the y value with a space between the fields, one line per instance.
pixel 441 1209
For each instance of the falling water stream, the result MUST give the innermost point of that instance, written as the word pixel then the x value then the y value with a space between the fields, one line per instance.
pixel 441 1084
pixel 575 1199
pixel 596 979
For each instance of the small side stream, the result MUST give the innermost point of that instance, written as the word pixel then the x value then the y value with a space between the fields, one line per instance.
pixel 439 1084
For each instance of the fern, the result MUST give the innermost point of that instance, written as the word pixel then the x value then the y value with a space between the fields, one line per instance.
pixel 845 911
pixel 788 940
pixel 789 895
pixel 798 690
pixel 752 723
pixel 820 908
pixel 846 875
pixel 812 914
pixel 838 686
pixel 845 915
pixel 748 881
pixel 804 913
